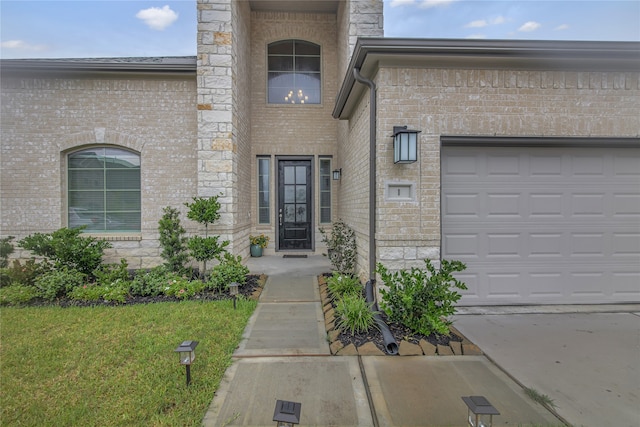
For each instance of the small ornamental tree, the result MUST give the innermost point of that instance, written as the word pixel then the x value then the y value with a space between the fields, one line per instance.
pixel 173 240
pixel 205 211
pixel 341 247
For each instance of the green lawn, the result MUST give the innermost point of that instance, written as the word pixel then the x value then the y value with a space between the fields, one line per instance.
pixel 114 366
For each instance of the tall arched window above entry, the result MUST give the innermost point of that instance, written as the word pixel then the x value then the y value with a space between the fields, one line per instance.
pixel 104 190
pixel 294 75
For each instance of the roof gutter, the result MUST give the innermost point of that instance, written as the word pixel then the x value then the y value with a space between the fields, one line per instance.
pixel 162 66
pixel 487 54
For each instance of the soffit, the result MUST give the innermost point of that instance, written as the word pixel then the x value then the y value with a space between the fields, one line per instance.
pixel 304 6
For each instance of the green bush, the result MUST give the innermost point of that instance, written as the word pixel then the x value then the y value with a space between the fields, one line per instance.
pixel 151 282
pixel 17 294
pixel 173 240
pixel 206 248
pixel 341 247
pixel 228 271
pixel 341 284
pixel 183 288
pixel 116 291
pixel 23 274
pixel 422 299
pixel 6 249
pixel 110 273
pixel 57 283
pixel 67 248
pixel 354 314
pixel 90 292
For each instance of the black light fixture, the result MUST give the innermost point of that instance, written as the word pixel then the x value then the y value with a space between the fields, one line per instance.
pixel 405 144
pixel 187 353
pixel 337 173
pixel 287 414
pixel 480 411
pixel 233 291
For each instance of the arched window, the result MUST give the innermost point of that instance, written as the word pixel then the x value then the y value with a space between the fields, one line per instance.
pixel 294 72
pixel 104 190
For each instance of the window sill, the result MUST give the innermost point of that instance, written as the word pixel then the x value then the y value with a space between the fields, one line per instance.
pixel 116 237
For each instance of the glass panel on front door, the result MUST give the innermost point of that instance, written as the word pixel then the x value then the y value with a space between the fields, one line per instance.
pixel 295 204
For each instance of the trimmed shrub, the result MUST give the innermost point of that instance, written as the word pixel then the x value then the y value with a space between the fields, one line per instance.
pixel 67 248
pixel 111 273
pixel 114 292
pixel 57 283
pixel 228 271
pixel 422 299
pixel 151 282
pixel 23 274
pixel 181 287
pixel 17 294
pixel 6 249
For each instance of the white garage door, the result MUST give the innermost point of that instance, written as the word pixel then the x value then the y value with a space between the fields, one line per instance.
pixel 543 225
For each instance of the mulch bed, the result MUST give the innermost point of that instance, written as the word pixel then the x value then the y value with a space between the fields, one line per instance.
pixel 251 289
pixel 399 332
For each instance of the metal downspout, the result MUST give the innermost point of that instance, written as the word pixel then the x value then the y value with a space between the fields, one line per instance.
pixel 390 344
pixel 372 171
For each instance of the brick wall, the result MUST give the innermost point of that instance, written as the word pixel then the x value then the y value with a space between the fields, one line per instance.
pixel 282 129
pixel 43 118
pixel 465 102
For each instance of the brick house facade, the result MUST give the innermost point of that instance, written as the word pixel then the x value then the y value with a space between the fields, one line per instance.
pixel 204 126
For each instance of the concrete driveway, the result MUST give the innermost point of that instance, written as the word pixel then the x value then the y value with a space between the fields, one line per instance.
pixel 587 359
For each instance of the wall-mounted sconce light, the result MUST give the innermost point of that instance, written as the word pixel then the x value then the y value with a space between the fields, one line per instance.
pixel 405 144
pixel 287 414
pixel 187 353
pixel 480 412
pixel 337 174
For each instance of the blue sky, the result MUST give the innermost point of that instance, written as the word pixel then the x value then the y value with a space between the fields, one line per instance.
pixel 92 28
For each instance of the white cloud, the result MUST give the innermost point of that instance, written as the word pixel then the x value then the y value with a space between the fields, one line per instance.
pixel 527 27
pixel 427 4
pixel 477 24
pixel 156 18
pixel 562 27
pixel 476 36
pixel 23 45
pixel 481 23
pixel 396 3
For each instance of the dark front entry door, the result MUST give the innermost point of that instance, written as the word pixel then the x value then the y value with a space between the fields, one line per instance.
pixel 294 210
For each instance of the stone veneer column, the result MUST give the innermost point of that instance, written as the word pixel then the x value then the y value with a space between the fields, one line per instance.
pixel 215 127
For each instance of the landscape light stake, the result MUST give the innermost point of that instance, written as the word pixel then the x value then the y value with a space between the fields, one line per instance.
pixel 187 353
pixel 480 412
pixel 287 414
pixel 233 291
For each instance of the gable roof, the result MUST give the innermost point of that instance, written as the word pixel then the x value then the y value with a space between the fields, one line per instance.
pixel 371 53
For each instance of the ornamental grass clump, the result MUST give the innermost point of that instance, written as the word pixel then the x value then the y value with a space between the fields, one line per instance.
pixel 354 314
pixel 422 299
pixel 342 284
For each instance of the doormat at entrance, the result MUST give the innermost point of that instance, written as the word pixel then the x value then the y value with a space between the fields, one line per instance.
pixel 294 256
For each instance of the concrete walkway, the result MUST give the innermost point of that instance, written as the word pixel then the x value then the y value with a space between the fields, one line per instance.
pixel 284 355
